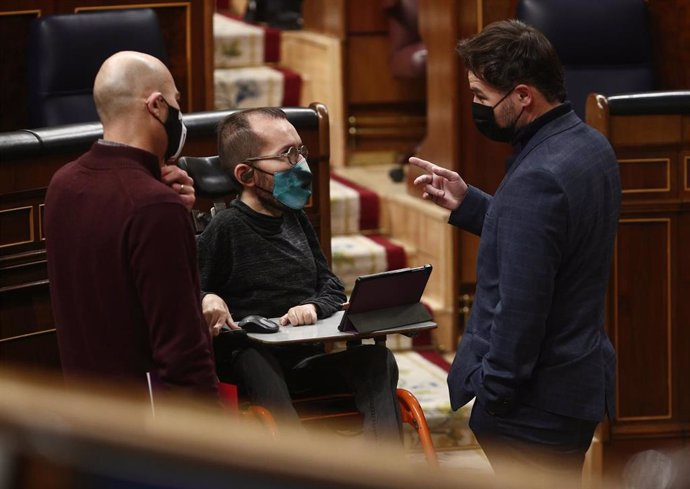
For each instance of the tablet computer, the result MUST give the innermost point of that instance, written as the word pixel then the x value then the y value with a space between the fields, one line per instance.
pixel 387 300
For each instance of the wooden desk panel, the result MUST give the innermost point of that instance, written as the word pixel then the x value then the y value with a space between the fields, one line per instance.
pixel 648 309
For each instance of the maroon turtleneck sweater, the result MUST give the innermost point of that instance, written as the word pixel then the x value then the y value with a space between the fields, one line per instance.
pixel 123 273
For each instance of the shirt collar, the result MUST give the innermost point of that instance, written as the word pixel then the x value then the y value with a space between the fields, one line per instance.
pixel 524 134
pixel 118 154
pixel 264 224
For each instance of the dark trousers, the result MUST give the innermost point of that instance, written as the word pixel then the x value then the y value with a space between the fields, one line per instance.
pixel 272 376
pixel 534 442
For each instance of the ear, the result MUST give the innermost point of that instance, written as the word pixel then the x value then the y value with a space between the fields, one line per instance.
pixel 525 94
pixel 244 173
pixel 155 104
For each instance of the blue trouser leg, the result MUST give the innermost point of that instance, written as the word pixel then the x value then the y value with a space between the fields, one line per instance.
pixel 534 440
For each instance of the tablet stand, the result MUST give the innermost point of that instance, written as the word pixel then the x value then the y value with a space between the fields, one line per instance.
pixel 390 317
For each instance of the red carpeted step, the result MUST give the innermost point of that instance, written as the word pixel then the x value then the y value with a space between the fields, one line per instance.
pixel 271 38
pixel 355 255
pixel 243 77
pixel 369 204
pixel 272 45
pixel 436 358
pixel 395 254
pixel 292 86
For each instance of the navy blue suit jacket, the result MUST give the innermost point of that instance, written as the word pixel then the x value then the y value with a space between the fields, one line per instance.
pixel 536 331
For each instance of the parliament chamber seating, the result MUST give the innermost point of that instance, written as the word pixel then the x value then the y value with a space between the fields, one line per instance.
pixel 187 36
pixel 249 72
pixel 29 157
pixel 246 66
pixel 66 51
pixel 648 310
pixel 605 45
pixel 230 401
pixel 213 182
pixel 210 182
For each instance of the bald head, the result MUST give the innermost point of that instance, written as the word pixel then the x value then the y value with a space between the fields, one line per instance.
pixel 126 78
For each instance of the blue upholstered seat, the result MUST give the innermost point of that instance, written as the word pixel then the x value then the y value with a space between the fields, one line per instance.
pixel 66 51
pixel 604 45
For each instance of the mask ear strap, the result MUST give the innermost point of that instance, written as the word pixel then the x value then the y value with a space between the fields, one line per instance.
pixel 504 97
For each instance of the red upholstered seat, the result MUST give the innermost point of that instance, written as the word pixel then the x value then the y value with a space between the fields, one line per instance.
pixel 229 399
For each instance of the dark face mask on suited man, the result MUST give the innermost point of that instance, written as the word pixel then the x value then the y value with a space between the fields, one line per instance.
pixel 485 120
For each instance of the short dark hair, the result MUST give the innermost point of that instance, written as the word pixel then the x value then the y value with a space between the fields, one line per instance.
pixel 509 52
pixel 236 139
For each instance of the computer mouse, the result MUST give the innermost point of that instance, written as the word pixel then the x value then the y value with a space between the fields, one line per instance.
pixel 258 324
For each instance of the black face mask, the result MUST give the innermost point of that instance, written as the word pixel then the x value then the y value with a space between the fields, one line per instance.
pixel 176 131
pixel 485 120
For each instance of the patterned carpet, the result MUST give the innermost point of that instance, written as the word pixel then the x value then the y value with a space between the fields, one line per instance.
pixel 424 374
pixel 427 381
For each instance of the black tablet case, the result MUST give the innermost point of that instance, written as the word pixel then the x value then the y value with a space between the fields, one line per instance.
pixel 387 300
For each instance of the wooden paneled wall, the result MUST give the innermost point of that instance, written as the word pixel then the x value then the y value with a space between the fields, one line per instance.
pixel 670 27
pixel 649 314
pixel 187 29
pixel 373 114
pixel 452 139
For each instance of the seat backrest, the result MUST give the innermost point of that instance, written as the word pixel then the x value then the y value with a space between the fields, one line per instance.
pixel 604 45
pixel 28 160
pixel 650 103
pixel 215 187
pixel 210 179
pixel 66 51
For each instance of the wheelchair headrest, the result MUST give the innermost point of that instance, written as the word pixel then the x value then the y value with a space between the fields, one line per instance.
pixel 210 178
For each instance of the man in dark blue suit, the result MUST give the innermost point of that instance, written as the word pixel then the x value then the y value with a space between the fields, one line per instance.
pixel 534 354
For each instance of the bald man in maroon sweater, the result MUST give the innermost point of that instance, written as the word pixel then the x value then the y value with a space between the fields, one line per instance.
pixel 121 252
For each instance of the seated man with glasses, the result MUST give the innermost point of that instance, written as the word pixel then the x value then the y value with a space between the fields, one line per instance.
pixel 262 256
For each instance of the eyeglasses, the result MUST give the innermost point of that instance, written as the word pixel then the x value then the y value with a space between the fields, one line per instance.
pixel 292 154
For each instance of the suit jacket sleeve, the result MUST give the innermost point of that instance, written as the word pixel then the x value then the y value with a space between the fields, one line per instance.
pixel 470 214
pixel 163 267
pixel 531 231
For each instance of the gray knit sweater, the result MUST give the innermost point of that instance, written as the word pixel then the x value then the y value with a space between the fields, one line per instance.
pixel 265 265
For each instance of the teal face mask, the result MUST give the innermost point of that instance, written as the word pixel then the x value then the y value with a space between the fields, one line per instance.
pixel 292 187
